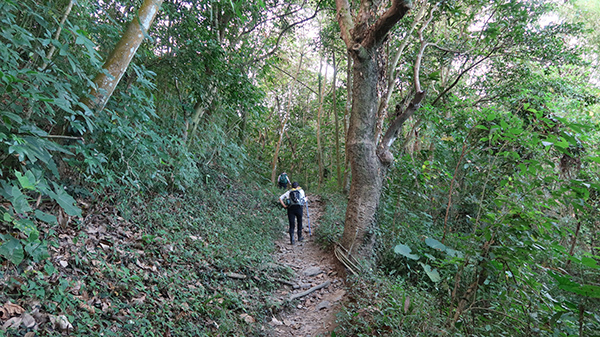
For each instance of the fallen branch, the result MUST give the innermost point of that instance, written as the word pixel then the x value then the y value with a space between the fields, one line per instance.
pixel 236 276
pixel 313 289
pixel 291 284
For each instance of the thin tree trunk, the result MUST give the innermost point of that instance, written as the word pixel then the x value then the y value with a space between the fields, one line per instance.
pixel 337 127
pixel 52 49
pixel 385 99
pixel 319 114
pixel 286 117
pixel 117 62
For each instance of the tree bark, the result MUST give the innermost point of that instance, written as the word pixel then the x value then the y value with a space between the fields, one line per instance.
pixel 337 127
pixel 319 114
pixel 348 108
pixel 363 37
pixel 117 62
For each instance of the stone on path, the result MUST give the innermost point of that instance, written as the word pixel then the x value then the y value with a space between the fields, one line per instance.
pixel 323 305
pixel 312 271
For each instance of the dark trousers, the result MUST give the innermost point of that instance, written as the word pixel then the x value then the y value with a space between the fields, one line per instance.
pixel 295 211
pixel 283 186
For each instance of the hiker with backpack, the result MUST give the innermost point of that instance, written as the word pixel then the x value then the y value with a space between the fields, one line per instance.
pixel 293 200
pixel 283 181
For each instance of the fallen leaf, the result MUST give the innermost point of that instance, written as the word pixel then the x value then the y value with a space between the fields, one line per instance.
pixel 247 318
pixel 8 310
pixel 139 301
pixel 87 307
pixel 61 323
pixel 28 321
pixel 13 323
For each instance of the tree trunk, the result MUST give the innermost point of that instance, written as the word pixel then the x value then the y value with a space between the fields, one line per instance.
pixel 52 49
pixel 284 123
pixel 363 37
pixel 348 108
pixel 117 62
pixel 367 170
pixel 319 114
pixel 337 127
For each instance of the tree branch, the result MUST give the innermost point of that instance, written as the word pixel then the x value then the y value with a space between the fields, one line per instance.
pixel 461 75
pixel 344 19
pixel 272 51
pixel 383 151
pixel 292 76
pixel 379 30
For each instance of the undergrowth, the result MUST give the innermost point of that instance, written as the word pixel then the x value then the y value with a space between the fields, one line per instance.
pixel 331 222
pixel 195 264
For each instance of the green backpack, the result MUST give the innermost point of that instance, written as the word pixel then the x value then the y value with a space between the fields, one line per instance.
pixel 283 179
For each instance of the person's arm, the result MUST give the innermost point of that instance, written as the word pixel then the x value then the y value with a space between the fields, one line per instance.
pixel 282 197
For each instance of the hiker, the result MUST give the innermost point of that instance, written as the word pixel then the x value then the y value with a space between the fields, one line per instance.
pixel 293 200
pixel 283 181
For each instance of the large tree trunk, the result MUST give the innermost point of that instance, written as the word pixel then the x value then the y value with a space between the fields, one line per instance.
pixel 347 110
pixel 116 64
pixel 367 170
pixel 363 35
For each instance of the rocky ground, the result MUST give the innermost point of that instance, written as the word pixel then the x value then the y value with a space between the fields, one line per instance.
pixel 318 289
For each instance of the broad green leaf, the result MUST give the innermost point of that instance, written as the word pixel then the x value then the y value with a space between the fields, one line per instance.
pixel 562 143
pixel 24 181
pixel 435 244
pixel 432 273
pixel 565 283
pixel 588 261
pixel 454 253
pixel 45 217
pixel 19 201
pixel 12 116
pixel 405 251
pixel 12 250
pixel 26 226
pixel 65 201
pixel 429 256
pixel 37 250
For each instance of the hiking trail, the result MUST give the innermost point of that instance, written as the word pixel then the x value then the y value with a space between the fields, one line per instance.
pixel 318 282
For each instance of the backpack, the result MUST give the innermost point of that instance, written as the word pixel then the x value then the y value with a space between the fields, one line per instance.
pixel 283 179
pixel 295 198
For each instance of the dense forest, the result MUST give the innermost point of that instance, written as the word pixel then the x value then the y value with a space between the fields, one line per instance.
pixel 453 146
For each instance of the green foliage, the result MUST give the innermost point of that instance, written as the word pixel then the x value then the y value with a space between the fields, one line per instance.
pixel 34 100
pixel 331 221
pixel 389 306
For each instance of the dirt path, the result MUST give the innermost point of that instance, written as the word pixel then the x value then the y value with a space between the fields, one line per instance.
pixel 314 314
